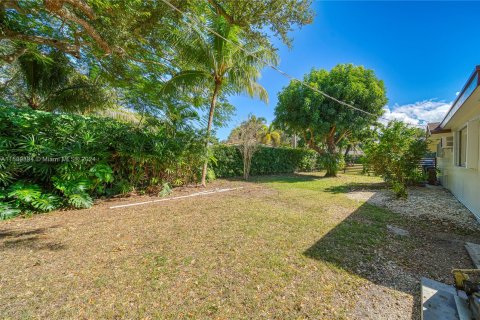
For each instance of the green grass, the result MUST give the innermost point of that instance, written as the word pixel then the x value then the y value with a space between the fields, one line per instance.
pixel 284 247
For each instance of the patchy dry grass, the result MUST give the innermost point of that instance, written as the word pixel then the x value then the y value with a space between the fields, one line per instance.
pixel 284 247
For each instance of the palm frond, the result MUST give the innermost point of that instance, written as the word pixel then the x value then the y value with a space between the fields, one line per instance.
pixel 186 79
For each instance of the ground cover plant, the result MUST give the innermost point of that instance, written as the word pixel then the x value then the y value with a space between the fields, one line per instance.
pixel 53 160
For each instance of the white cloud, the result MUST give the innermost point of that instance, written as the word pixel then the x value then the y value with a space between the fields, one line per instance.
pixel 420 112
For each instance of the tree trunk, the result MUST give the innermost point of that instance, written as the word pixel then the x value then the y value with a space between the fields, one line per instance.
pixel 209 128
pixel 332 155
pixel 33 103
pixel 347 150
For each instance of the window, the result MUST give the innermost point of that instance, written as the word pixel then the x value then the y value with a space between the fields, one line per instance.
pixel 439 150
pixel 462 147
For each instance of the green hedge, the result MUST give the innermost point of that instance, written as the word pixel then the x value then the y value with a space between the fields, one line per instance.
pixel 228 161
pixel 51 160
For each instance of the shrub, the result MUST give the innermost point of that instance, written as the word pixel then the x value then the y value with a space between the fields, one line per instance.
pixel 50 160
pixel 228 161
pixel 396 156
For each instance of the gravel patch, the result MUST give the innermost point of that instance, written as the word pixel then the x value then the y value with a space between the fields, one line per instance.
pixel 431 202
pixel 391 293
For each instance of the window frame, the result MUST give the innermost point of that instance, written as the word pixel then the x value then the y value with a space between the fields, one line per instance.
pixel 458 149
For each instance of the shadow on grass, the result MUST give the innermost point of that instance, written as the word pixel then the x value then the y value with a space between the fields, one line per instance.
pixel 30 239
pixel 354 246
pixel 356 186
pixel 288 178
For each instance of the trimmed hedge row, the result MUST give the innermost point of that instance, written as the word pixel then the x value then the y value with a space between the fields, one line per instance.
pixel 228 161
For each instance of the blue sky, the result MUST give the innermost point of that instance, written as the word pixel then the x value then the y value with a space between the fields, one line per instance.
pixel 424 51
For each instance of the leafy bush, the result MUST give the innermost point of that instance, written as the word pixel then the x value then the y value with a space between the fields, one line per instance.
pixel 396 156
pixel 50 160
pixel 228 161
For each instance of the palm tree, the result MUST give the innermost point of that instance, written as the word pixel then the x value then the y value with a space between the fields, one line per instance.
pixel 50 83
pixel 271 136
pixel 219 66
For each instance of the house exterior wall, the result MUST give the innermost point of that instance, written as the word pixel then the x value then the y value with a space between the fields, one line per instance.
pixel 463 182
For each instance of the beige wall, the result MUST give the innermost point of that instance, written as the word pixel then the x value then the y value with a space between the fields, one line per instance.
pixel 463 182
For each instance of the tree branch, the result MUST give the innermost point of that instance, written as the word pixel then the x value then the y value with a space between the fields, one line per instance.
pixel 82 6
pixel 60 45
pixel 10 58
pixel 56 7
pixel 343 135
pixel 221 11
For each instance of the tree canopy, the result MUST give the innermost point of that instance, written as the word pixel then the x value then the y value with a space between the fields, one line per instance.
pixel 323 122
pixel 133 45
pixel 216 67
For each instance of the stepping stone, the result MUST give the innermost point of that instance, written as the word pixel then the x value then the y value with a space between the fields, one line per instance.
pixel 474 252
pixel 397 231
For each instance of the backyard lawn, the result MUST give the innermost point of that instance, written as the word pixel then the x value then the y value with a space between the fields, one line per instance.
pixel 283 247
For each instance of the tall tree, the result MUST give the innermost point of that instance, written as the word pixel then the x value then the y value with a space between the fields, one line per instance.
pixel 255 16
pixel 136 30
pixel 324 122
pixel 221 67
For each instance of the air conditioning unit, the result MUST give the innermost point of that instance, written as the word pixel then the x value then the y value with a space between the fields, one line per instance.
pixel 447 142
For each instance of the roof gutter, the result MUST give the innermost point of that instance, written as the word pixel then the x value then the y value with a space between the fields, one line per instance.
pixel 472 83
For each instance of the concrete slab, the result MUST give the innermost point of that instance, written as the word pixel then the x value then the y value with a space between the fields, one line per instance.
pixel 438 301
pixel 474 252
pixel 462 308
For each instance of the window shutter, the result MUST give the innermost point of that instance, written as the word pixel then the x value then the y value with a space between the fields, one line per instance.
pixel 472 144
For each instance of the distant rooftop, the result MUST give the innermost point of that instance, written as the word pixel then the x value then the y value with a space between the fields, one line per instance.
pixel 432 126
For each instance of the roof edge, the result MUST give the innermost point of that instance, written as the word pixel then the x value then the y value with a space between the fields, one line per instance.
pixel 448 116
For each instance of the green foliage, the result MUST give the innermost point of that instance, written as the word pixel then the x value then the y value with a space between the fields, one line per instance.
pixel 50 82
pixel 127 28
pixel 80 200
pixel 333 161
pixel 7 211
pixel 325 123
pixel 396 155
pixel 166 190
pixel 228 161
pixel 267 135
pixel 214 67
pixel 27 197
pixel 51 160
pixel 133 46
